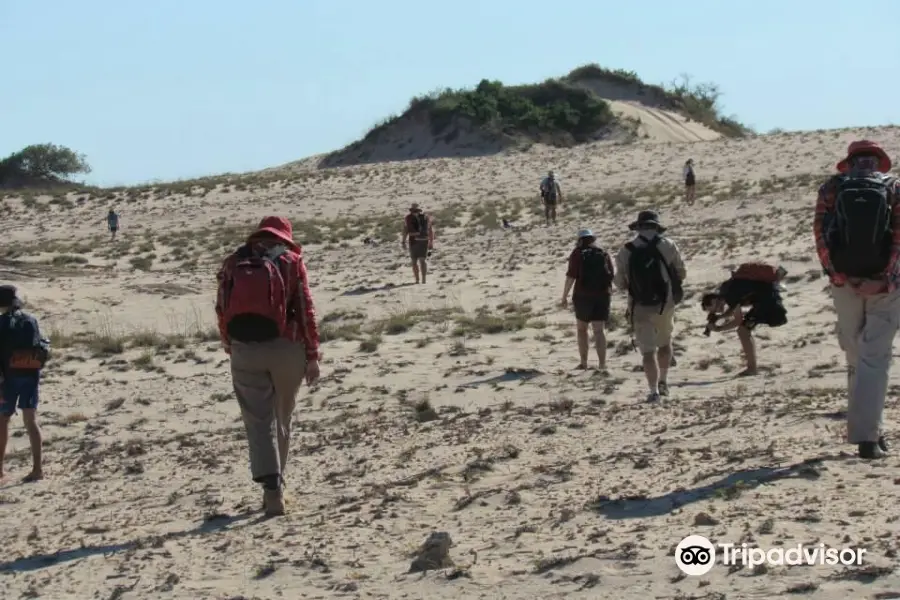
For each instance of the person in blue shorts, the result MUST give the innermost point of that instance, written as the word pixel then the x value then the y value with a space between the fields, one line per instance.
pixel 22 356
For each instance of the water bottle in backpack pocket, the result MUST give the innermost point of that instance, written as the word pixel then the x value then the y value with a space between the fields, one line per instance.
pixel 859 236
pixel 255 297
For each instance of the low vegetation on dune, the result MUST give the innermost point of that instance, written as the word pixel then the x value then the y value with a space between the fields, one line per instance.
pixel 699 102
pixel 561 112
pixel 553 110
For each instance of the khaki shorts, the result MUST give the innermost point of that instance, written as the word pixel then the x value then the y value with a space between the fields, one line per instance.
pixel 653 330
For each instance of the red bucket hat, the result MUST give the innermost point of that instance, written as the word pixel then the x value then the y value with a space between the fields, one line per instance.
pixel 278 227
pixel 865 147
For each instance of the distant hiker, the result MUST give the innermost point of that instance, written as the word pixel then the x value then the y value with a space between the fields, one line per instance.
pixel 651 270
pixel 590 271
pixel 419 231
pixel 690 182
pixel 267 323
pixel 857 232
pixel 753 285
pixel 112 222
pixel 506 224
pixel 551 196
pixel 23 353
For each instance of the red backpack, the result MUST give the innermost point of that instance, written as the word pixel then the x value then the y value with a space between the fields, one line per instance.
pixel 753 271
pixel 255 296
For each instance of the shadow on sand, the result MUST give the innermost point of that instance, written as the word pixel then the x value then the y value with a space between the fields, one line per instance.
pixel 641 507
pixel 212 524
pixel 701 383
pixel 508 376
pixel 362 290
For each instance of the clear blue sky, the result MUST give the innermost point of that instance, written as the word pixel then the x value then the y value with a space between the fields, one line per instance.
pixel 169 89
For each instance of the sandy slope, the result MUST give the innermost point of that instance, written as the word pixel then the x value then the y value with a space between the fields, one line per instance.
pixel 551 483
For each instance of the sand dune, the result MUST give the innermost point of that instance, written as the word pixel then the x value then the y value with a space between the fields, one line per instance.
pixel 450 407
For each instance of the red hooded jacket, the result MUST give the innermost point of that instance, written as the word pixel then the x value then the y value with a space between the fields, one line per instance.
pixel 302 327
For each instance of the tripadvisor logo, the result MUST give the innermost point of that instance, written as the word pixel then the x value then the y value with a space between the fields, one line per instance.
pixel 696 555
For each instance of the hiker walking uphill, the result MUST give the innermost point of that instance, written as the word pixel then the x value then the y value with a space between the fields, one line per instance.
pixel 690 182
pixel 753 285
pixel 23 354
pixel 551 196
pixel 418 231
pixel 857 233
pixel 112 223
pixel 651 270
pixel 590 272
pixel 267 323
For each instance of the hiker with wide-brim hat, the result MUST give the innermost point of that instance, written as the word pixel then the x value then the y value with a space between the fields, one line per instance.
pixel 590 273
pixel 651 270
pixel 418 234
pixel 267 324
pixel 647 220
pixel 857 235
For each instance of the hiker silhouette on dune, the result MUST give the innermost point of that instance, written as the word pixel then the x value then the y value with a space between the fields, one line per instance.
pixel 857 233
pixel 418 232
pixel 752 285
pixel 690 182
pixel 267 323
pixel 551 197
pixel 112 223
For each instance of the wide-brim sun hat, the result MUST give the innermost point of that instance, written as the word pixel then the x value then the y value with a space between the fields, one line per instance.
pixel 585 233
pixel 278 227
pixel 647 218
pixel 865 147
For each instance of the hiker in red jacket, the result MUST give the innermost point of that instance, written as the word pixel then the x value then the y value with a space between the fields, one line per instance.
pixel 857 233
pixel 267 323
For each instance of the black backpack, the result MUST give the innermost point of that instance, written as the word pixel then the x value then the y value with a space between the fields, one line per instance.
pixel 419 224
pixel 550 190
pixel 859 235
pixel 595 275
pixel 24 348
pixel 646 284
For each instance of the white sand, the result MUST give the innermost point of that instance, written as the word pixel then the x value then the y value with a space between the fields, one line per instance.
pixel 148 494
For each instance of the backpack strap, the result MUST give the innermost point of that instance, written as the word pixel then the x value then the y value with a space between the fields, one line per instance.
pixel 654 243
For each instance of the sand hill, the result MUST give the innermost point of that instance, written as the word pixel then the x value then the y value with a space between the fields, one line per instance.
pixel 589 104
pixel 450 407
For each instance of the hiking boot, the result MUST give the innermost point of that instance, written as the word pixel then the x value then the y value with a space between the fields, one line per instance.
pixel 663 389
pixel 273 503
pixel 871 450
pixel 882 443
pixel 653 397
